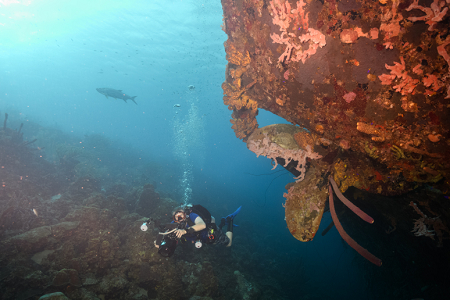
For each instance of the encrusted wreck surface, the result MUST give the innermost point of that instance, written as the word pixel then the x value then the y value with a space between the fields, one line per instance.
pixel 371 78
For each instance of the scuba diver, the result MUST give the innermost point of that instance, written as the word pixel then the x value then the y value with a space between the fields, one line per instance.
pixel 193 223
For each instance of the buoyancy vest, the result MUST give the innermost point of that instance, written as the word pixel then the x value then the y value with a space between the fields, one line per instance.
pixel 201 212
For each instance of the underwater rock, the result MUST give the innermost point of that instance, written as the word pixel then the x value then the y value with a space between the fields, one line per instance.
pixel 91 217
pixel 90 279
pixel 117 190
pixel 54 296
pixel 149 200
pixel 117 204
pixel 83 187
pixel 36 279
pixel 113 282
pixel 31 241
pixel 97 200
pixel 83 294
pixel 63 229
pixel 247 290
pixel 38 257
pixel 65 277
pixel 201 280
pixel 147 273
pixel 39 238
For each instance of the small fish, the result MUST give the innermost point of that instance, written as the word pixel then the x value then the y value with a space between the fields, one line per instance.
pixel 35 212
pixel 116 94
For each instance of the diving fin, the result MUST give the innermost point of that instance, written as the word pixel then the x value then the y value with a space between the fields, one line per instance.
pixel 235 213
pixel 232 216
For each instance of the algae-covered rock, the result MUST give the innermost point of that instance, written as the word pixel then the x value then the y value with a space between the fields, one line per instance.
pixel 38 257
pixel 38 238
pixel 66 276
pixel 113 282
pixel 83 187
pixel 148 201
pixel 247 290
pixel 32 240
pixel 54 296
pixel 63 229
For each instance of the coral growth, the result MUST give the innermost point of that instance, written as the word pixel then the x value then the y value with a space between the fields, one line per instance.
pixel 273 151
pixel 430 80
pixel 390 24
pixel 348 36
pixel 285 18
pixel 244 123
pixel 236 57
pixel 244 109
pixel 372 34
pixel 421 229
pixel 237 99
pixel 441 50
pixel 349 97
pixel 433 14
pixel 281 145
pixel 406 84
pixel 304 139
pixel 344 144
pixel 379 134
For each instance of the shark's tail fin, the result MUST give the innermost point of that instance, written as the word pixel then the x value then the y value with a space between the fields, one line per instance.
pixel 132 99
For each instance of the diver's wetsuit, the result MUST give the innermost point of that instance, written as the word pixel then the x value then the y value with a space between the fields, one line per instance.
pixel 219 237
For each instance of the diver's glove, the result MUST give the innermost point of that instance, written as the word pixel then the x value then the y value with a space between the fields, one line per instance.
pixel 180 232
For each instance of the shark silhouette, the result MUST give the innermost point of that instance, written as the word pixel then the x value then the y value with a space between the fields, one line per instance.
pixel 116 94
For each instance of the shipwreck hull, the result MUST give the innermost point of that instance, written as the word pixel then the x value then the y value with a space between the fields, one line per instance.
pixel 371 78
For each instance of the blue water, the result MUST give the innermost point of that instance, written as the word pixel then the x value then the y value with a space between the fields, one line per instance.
pixel 53 56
